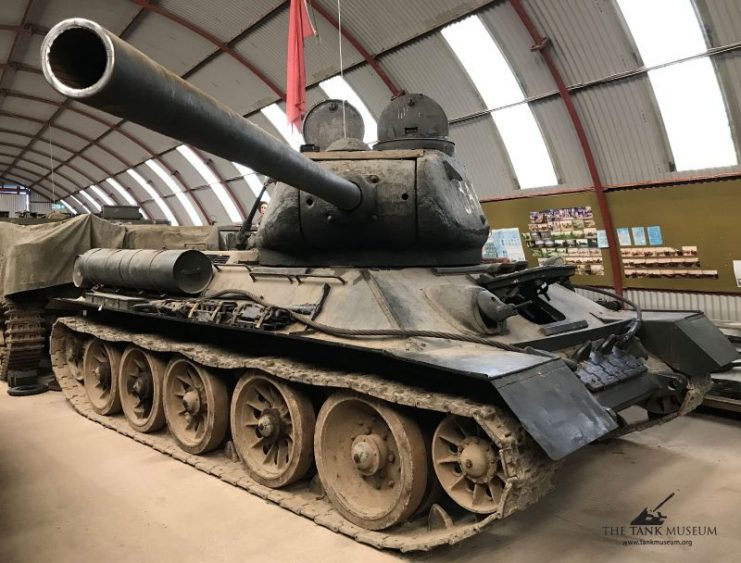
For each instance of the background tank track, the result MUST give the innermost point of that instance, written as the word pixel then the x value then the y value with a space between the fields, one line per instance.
pixel 22 337
pixel 530 472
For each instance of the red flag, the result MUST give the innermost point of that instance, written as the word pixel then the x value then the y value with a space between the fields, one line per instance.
pixel 299 28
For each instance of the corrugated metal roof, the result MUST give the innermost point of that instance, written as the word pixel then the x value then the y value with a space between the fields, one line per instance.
pixel 172 45
pixel 158 143
pixel 624 131
pixel 6 40
pixel 95 172
pixel 266 47
pixel 563 144
pixel 371 90
pixel 159 187
pixel 112 15
pixel 440 76
pixel 121 145
pixel 722 19
pixel 226 79
pixel 76 122
pixel 382 25
pixel 479 147
pixel 588 39
pixel 34 85
pixel 232 17
pixel 105 159
pixel 509 33
pixel 191 178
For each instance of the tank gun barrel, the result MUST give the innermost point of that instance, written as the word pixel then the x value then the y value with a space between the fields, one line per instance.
pixel 86 62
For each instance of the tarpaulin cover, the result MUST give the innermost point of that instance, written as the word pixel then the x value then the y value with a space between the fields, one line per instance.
pixel 41 256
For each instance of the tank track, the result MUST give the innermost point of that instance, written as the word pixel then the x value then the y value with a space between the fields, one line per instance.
pixel 530 472
pixel 697 388
pixel 23 337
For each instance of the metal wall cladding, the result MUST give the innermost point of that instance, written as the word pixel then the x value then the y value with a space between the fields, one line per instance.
pixel 718 308
pixel 229 20
pixel 39 206
pixel 13 203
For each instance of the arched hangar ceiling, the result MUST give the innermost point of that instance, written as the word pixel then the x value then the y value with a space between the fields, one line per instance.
pixel 588 93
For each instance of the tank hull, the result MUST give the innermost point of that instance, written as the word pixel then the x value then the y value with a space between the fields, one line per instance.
pixel 422 354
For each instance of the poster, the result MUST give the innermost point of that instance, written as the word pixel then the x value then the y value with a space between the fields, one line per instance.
pixel 504 243
pixel 623 235
pixel 654 235
pixel 664 262
pixel 569 233
pixel 602 239
pixel 639 236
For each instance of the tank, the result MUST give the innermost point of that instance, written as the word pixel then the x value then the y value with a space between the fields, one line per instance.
pixel 36 267
pixel 360 366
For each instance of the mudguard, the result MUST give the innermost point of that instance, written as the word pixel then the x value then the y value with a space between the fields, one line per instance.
pixel 555 408
pixel 687 341
pixel 547 397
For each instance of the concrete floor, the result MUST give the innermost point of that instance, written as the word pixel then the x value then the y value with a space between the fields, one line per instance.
pixel 71 490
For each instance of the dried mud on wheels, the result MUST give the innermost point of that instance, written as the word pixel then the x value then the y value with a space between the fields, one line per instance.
pixel 523 473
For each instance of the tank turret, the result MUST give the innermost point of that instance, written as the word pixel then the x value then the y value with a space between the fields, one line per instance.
pixel 407 205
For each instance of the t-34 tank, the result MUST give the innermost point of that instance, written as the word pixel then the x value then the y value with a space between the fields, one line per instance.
pixel 361 366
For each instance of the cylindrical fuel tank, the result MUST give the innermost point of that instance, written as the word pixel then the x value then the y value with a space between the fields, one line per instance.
pixel 163 271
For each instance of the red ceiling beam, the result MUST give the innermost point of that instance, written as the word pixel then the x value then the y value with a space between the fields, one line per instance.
pixel 370 59
pixel 542 45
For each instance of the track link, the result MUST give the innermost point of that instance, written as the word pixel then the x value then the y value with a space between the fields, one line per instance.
pixel 23 337
pixel 529 471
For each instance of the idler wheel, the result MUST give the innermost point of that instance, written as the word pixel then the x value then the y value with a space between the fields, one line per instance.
pixel 100 364
pixel 196 406
pixel 140 387
pixel 467 465
pixel 272 429
pixel 371 460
